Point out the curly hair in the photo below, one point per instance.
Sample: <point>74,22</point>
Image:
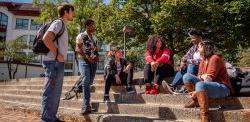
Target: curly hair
<point>209,48</point>
<point>151,43</point>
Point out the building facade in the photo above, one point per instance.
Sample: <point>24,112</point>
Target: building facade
<point>17,21</point>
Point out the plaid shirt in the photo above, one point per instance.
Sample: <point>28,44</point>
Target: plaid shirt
<point>189,55</point>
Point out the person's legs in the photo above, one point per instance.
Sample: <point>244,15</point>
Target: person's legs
<point>162,71</point>
<point>192,69</point>
<point>205,89</point>
<point>148,76</point>
<point>108,82</point>
<point>54,73</point>
<point>189,82</point>
<point>85,70</point>
<point>178,78</point>
<point>93,72</point>
<point>129,77</point>
<point>213,89</point>
<point>190,79</point>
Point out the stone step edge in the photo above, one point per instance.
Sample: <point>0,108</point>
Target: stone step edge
<point>35,109</point>
<point>240,112</point>
<point>100,101</point>
<point>131,104</point>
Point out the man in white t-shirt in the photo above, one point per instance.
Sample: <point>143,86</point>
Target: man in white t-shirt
<point>53,63</point>
<point>86,48</point>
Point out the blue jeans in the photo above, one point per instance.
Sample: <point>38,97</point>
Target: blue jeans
<point>87,71</point>
<point>214,89</point>
<point>54,73</point>
<point>178,79</point>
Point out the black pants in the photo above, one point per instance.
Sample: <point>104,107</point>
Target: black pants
<point>163,71</point>
<point>126,79</point>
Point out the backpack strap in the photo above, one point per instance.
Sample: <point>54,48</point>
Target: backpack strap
<point>59,34</point>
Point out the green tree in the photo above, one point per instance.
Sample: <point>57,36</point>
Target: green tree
<point>14,55</point>
<point>225,22</point>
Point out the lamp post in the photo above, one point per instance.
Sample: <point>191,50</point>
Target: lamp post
<point>125,30</point>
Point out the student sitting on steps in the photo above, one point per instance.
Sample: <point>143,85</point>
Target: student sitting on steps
<point>117,71</point>
<point>212,80</point>
<point>158,64</point>
<point>191,60</point>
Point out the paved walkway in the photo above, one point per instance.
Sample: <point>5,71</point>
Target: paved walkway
<point>10,115</point>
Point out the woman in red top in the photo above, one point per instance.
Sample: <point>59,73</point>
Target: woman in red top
<point>158,65</point>
<point>212,80</point>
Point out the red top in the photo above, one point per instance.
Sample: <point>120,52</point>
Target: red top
<point>216,69</point>
<point>162,56</point>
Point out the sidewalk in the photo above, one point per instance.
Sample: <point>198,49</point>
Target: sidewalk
<point>11,115</point>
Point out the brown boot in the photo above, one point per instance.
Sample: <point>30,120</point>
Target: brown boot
<point>189,87</point>
<point>203,102</point>
<point>193,104</point>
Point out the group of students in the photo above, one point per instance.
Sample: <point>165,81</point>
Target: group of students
<point>202,69</point>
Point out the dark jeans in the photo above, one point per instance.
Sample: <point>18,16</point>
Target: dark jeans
<point>163,71</point>
<point>52,89</point>
<point>178,79</point>
<point>126,79</point>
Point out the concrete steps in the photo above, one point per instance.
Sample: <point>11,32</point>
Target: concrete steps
<point>72,114</point>
<point>25,94</point>
<point>229,102</point>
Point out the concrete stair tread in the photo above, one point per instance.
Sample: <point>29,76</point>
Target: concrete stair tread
<point>237,113</point>
<point>231,102</point>
<point>67,113</point>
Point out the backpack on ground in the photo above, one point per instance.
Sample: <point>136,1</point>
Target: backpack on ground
<point>74,91</point>
<point>236,76</point>
<point>38,46</point>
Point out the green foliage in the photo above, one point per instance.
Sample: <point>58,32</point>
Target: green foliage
<point>244,58</point>
<point>14,54</point>
<point>225,22</point>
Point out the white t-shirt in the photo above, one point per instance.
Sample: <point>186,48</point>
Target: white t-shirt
<point>196,55</point>
<point>62,46</point>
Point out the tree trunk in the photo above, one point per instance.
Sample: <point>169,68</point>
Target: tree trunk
<point>14,73</point>
<point>26,68</point>
<point>9,68</point>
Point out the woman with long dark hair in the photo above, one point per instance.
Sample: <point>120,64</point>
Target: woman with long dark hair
<point>158,64</point>
<point>117,71</point>
<point>212,80</point>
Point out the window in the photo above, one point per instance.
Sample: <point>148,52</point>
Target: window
<point>3,26</point>
<point>31,40</point>
<point>22,24</point>
<point>34,25</point>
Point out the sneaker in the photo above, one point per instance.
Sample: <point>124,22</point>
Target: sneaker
<point>154,90</point>
<point>130,90</point>
<point>106,99</point>
<point>58,120</point>
<point>86,110</point>
<point>167,88</point>
<point>147,89</point>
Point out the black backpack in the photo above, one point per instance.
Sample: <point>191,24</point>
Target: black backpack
<point>236,76</point>
<point>38,45</point>
<point>74,91</point>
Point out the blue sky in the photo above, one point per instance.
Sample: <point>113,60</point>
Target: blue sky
<point>23,1</point>
<point>29,1</point>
